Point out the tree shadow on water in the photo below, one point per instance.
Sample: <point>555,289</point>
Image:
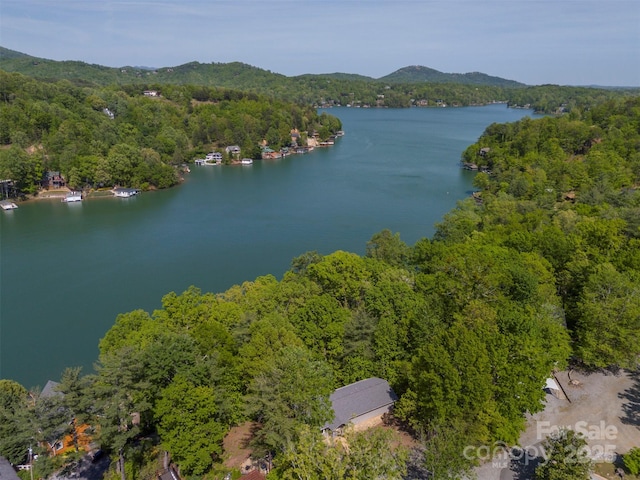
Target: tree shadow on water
<point>631,399</point>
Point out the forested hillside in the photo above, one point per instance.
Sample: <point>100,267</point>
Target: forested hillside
<point>538,271</point>
<point>406,87</point>
<point>418,74</point>
<point>104,136</point>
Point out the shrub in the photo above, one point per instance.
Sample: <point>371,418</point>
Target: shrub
<point>631,460</point>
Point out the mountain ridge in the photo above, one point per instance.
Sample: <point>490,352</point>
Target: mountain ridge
<point>196,72</point>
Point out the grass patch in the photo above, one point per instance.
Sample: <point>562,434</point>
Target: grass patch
<point>608,470</point>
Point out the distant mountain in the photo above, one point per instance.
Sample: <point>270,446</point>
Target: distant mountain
<point>336,76</point>
<point>420,74</point>
<point>232,75</point>
<point>5,53</point>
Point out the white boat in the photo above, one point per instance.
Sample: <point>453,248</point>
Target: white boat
<point>246,161</point>
<point>8,205</point>
<point>125,192</point>
<point>73,197</point>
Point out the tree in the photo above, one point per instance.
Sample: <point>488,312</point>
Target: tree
<point>311,457</point>
<point>631,461</point>
<point>388,247</point>
<point>566,458</point>
<point>53,418</point>
<point>320,323</point>
<point>188,427</point>
<point>372,454</point>
<point>444,450</point>
<point>119,390</point>
<point>16,423</point>
<point>608,324</point>
<point>342,274</point>
<point>294,391</point>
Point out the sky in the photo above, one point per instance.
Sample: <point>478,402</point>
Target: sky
<point>565,42</point>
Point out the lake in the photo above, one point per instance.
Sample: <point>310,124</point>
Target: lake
<point>67,270</point>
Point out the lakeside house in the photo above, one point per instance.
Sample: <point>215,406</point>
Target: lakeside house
<point>358,403</point>
<point>269,154</point>
<point>77,438</point>
<point>212,158</point>
<point>233,150</point>
<point>53,180</point>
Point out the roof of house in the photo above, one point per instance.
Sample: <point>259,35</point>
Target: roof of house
<point>6,470</point>
<point>254,475</point>
<point>359,398</point>
<point>49,390</point>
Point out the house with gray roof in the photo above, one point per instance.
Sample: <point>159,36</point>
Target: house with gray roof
<point>50,390</point>
<point>359,402</point>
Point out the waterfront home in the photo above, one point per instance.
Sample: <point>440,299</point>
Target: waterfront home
<point>269,154</point>
<point>53,180</point>
<point>233,150</point>
<point>65,442</point>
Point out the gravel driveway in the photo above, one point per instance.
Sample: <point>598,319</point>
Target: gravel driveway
<point>603,406</point>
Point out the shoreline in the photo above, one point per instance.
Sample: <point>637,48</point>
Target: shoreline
<point>61,193</point>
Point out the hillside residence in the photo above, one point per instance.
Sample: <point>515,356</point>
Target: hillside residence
<point>269,154</point>
<point>67,442</point>
<point>233,150</point>
<point>151,93</point>
<point>53,180</point>
<point>358,402</point>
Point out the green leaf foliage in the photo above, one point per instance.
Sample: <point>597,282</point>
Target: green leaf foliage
<point>631,461</point>
<point>188,425</point>
<point>566,458</point>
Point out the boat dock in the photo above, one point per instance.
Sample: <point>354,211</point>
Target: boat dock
<point>8,205</point>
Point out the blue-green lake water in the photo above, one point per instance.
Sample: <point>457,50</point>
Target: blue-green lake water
<point>67,270</point>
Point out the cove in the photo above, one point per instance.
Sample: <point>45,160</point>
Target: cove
<point>67,270</point>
